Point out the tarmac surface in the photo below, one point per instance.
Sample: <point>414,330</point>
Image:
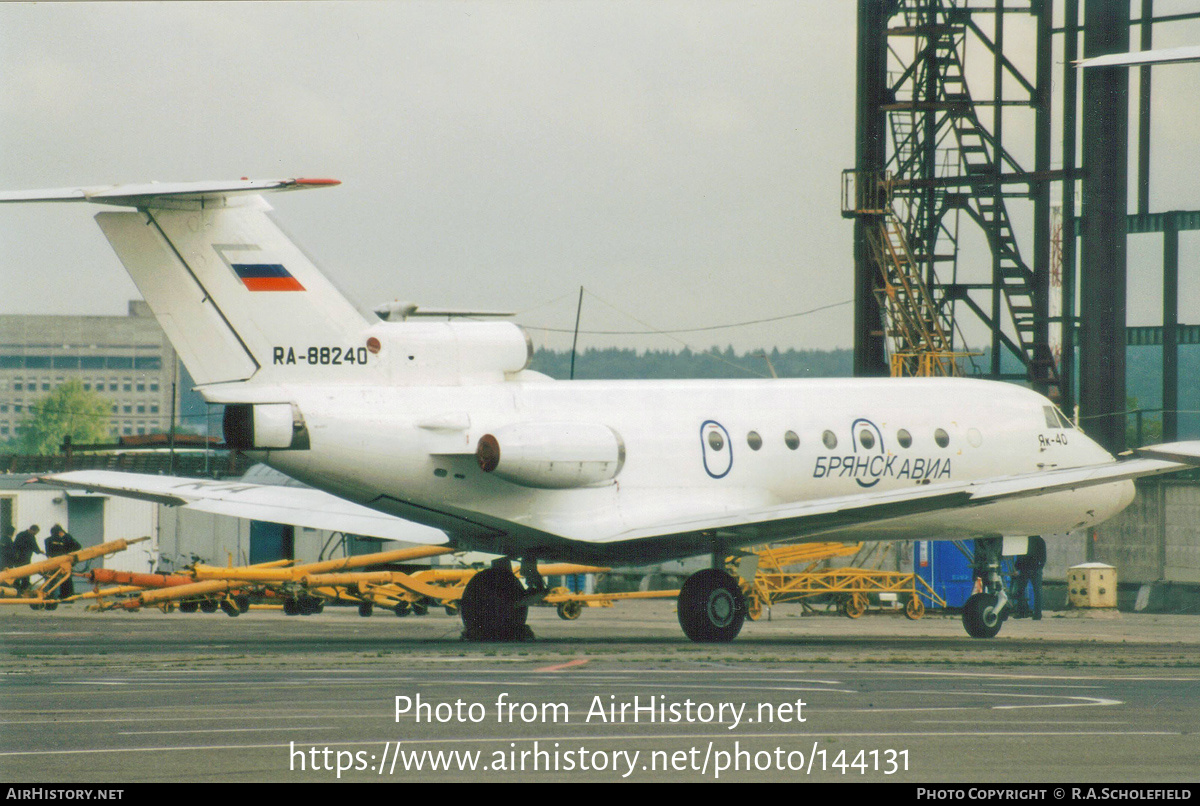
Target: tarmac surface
<point>617,695</point>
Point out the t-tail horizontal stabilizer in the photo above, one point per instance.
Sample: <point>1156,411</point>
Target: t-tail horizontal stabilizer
<point>231,291</point>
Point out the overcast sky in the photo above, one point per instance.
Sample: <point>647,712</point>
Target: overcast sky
<point>680,160</point>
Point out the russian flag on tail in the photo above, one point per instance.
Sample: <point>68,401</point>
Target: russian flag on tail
<point>266,277</point>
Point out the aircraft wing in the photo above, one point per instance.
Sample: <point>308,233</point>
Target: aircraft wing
<point>905,514</point>
<point>1187,53</point>
<point>909,513</point>
<point>299,506</point>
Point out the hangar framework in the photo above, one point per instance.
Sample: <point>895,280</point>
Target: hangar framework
<point>957,121</point>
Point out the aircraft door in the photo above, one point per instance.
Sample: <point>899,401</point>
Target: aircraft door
<point>717,449</point>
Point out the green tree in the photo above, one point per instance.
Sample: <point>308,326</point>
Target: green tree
<point>68,410</point>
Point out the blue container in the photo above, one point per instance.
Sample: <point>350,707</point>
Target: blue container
<point>943,566</point>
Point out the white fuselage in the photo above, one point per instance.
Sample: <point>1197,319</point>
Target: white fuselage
<point>694,448</point>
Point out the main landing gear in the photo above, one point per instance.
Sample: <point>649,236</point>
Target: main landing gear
<point>494,604</point>
<point>711,606</point>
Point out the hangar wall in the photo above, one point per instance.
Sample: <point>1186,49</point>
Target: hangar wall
<point>1155,539</point>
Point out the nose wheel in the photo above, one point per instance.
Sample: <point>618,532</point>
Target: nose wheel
<point>711,606</point>
<point>981,616</point>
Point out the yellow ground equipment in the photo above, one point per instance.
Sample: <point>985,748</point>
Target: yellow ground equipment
<point>791,573</point>
<point>405,593</point>
<point>54,572</point>
<point>570,605</point>
<point>302,589</point>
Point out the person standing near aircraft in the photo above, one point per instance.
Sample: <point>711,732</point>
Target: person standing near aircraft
<point>7,550</point>
<point>57,544</point>
<point>23,548</point>
<point>1029,576</point>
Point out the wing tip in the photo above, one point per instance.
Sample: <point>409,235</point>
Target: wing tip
<point>146,194</point>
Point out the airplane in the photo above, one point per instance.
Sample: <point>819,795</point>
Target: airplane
<point>1179,55</point>
<point>443,424</point>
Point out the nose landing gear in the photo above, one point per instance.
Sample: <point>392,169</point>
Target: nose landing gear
<point>985,611</point>
<point>983,615</point>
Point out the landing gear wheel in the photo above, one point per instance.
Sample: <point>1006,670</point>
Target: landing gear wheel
<point>189,607</point>
<point>365,609</point>
<point>451,609</point>
<point>855,606</point>
<point>420,608</point>
<point>208,606</point>
<point>915,608</point>
<point>291,607</point>
<point>489,607</point>
<point>229,606</point>
<point>51,605</point>
<point>242,601</point>
<point>401,609</point>
<point>979,616</point>
<point>754,607</point>
<point>711,606</point>
<point>570,610</point>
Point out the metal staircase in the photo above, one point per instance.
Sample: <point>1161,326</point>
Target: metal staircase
<point>920,333</point>
<point>946,168</point>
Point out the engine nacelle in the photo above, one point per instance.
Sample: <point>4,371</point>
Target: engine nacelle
<point>449,353</point>
<point>264,426</point>
<point>552,455</point>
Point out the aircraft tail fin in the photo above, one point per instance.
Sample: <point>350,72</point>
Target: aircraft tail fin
<point>235,296</point>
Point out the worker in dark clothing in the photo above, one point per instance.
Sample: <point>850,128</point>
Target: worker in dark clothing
<point>8,552</point>
<point>57,544</point>
<point>1029,575</point>
<point>23,548</point>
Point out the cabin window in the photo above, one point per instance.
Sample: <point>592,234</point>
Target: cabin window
<point>866,439</point>
<point>715,440</point>
<point>830,439</point>
<point>754,440</point>
<point>904,438</point>
<point>941,438</point>
<point>792,440</point>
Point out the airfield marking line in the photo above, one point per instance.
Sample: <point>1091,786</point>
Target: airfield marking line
<point>593,739</point>
<point>1022,722</point>
<point>1042,685</point>
<point>220,730</point>
<point>568,665</point>
<point>1086,701</point>
<point>1010,676</point>
<point>736,686</point>
<point>214,684</point>
<point>729,687</point>
<point>231,715</point>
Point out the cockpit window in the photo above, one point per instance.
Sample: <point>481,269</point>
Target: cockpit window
<point>1055,418</point>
